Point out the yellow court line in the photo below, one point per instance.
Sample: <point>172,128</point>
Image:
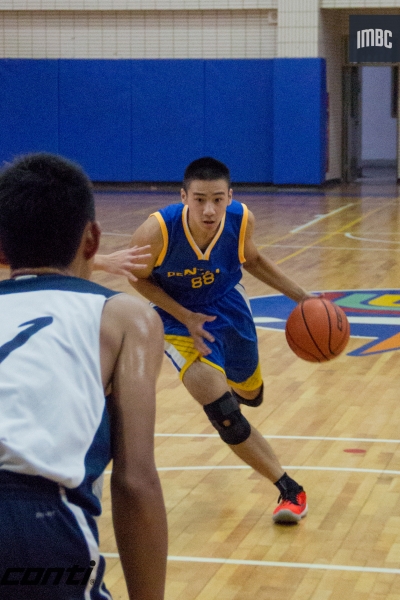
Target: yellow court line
<point>287,235</point>
<point>329,235</point>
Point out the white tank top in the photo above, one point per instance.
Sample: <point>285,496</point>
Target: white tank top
<point>53,418</point>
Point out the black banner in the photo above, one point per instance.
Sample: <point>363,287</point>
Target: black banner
<point>374,38</point>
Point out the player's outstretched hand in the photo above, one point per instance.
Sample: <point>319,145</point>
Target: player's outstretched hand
<point>123,262</point>
<point>195,326</point>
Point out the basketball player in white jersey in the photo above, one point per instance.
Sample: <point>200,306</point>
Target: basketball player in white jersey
<point>65,342</point>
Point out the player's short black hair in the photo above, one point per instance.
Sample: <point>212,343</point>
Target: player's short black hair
<point>206,169</point>
<point>45,203</point>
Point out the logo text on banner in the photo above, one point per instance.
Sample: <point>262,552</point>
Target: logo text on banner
<point>374,38</point>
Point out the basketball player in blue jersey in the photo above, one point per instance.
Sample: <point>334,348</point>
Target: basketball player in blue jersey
<point>64,343</point>
<point>198,248</point>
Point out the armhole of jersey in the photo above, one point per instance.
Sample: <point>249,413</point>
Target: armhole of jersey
<point>164,232</point>
<point>242,233</point>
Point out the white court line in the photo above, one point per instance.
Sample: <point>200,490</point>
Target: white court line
<point>289,437</point>
<point>321,217</point>
<point>292,467</point>
<point>369,320</point>
<point>268,563</point>
<point>117,234</point>
<point>346,249</point>
<point>362,239</point>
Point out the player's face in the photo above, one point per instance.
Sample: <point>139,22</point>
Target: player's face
<point>207,202</point>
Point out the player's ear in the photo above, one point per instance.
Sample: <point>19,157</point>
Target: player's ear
<point>230,194</point>
<point>91,239</point>
<point>183,196</point>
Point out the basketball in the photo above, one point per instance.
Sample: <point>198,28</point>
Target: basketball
<point>317,330</point>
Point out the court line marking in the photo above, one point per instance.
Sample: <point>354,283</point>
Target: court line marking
<point>291,467</point>
<point>116,234</point>
<point>321,217</point>
<point>328,236</point>
<point>348,248</point>
<point>283,237</point>
<point>367,320</point>
<point>290,437</point>
<point>354,237</point>
<point>271,563</point>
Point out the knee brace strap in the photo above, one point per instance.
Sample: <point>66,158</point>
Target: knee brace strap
<point>224,414</point>
<point>255,402</point>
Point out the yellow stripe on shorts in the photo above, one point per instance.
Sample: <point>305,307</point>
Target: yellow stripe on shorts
<point>183,353</point>
<point>252,383</point>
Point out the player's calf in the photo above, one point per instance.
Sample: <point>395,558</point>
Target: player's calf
<point>225,415</point>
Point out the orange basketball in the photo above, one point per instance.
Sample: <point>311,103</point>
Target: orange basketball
<point>317,330</point>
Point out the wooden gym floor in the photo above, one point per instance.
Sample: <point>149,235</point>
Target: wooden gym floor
<point>334,426</point>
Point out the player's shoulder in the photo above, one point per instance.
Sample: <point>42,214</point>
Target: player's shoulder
<point>127,313</point>
<point>171,211</point>
<point>54,282</point>
<point>236,208</point>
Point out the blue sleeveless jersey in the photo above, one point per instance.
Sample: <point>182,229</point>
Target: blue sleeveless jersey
<point>193,277</point>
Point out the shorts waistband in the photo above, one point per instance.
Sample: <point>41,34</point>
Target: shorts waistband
<point>22,482</point>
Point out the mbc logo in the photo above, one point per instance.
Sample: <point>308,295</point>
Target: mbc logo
<point>374,37</point>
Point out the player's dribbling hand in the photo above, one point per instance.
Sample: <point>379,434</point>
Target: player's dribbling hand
<point>123,262</point>
<point>195,327</point>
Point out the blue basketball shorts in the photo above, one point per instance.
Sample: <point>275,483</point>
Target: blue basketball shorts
<point>48,546</point>
<point>235,349</point>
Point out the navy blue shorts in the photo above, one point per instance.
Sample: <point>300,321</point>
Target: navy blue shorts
<point>48,546</point>
<point>234,351</point>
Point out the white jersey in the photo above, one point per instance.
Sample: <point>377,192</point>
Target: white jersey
<point>53,416</point>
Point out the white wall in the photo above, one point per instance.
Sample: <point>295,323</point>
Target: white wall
<point>137,34</point>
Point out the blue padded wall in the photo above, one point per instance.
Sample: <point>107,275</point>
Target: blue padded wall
<point>145,120</point>
<point>167,117</point>
<point>28,107</point>
<point>299,121</point>
<point>238,117</point>
<point>95,116</point>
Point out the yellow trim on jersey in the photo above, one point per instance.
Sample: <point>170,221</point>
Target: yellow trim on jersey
<point>242,233</point>
<point>188,235</point>
<point>164,232</point>
<point>216,238</point>
<point>252,383</point>
<point>200,255</point>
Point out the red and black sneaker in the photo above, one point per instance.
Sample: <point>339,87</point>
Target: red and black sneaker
<point>291,508</point>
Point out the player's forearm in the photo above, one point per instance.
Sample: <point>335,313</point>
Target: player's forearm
<point>267,272</point>
<point>140,526</point>
<point>155,294</point>
<point>99,262</point>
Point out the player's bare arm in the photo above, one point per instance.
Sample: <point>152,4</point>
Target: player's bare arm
<point>150,233</point>
<point>131,356</point>
<point>266,271</point>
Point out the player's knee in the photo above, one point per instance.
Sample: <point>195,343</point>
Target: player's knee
<point>225,415</point>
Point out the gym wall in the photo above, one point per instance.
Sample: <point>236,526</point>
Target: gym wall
<point>134,95</point>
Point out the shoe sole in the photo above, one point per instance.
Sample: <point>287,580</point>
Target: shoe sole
<point>287,516</point>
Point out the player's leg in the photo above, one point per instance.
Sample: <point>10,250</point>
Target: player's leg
<point>249,397</point>
<point>209,387</point>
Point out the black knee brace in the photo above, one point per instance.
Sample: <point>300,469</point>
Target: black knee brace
<point>255,402</point>
<point>225,416</point>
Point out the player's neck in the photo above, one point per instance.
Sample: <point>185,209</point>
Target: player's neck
<point>202,238</point>
<point>38,271</point>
